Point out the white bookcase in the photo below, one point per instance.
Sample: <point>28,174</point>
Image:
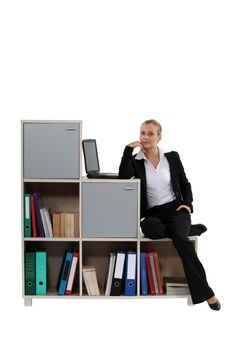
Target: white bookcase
<point>109,218</point>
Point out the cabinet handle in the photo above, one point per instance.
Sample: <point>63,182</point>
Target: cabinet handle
<point>71,129</point>
<point>129,188</point>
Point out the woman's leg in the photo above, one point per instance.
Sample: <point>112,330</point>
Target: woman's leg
<point>153,228</point>
<point>178,226</point>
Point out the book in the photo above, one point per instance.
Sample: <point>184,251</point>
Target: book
<point>56,225</point>
<point>143,274</point>
<point>112,260</point>
<point>41,273</point>
<point>33,215</point>
<point>64,273</point>
<point>149,273</point>
<point>45,216</point>
<point>41,232</point>
<point>27,216</point>
<point>87,278</point>
<point>30,273</point>
<point>158,273</point>
<point>69,225</point>
<point>118,276</point>
<point>176,285</point>
<point>76,224</point>
<point>90,280</point>
<point>130,273</point>
<point>152,263</point>
<point>73,268</point>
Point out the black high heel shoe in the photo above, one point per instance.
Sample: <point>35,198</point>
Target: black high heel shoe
<point>215,306</point>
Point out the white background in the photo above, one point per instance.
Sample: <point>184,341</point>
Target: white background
<point>114,64</point>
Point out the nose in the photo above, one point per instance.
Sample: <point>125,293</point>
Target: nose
<point>145,137</point>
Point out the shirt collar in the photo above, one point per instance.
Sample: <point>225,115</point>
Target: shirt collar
<point>141,154</point>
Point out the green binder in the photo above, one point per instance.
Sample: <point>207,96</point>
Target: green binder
<point>41,272</point>
<point>30,273</point>
<point>27,216</point>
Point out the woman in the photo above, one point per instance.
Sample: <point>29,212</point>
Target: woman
<point>166,203</point>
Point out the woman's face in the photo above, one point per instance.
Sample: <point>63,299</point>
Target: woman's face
<point>149,137</point>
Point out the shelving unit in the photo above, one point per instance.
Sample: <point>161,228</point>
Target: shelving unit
<point>109,218</point>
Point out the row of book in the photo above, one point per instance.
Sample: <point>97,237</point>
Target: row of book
<point>36,273</point>
<point>172,285</point>
<point>122,274</point>
<point>65,284</point>
<point>35,265</point>
<point>38,223</point>
<point>150,275</point>
<point>121,277</point>
<point>152,281</point>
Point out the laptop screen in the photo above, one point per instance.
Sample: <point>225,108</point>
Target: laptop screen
<point>90,155</point>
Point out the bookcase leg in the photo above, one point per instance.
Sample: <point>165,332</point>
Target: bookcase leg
<point>27,302</point>
<point>189,301</point>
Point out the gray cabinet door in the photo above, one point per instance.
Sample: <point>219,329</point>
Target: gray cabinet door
<point>51,150</point>
<point>110,209</point>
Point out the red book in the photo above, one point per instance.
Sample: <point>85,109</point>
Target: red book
<point>158,274</point>
<point>150,276</point>
<point>34,229</point>
<point>73,269</point>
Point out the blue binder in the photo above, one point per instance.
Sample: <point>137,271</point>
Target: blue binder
<point>41,272</point>
<point>64,273</point>
<point>143,274</point>
<point>130,276</point>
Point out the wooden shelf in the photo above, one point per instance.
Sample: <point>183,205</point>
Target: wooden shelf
<point>75,195</point>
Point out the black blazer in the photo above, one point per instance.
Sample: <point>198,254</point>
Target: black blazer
<point>131,167</point>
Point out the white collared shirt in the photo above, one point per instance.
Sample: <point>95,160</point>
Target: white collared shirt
<point>158,180</point>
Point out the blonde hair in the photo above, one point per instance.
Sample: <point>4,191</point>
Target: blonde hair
<point>154,122</point>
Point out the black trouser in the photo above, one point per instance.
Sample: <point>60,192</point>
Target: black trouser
<point>165,221</point>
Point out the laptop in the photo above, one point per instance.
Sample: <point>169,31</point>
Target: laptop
<point>92,161</point>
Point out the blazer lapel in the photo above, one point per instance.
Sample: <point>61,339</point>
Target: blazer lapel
<point>140,170</point>
<point>172,166</point>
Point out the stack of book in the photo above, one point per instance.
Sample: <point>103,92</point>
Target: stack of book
<point>66,279</point>
<point>90,280</point>
<point>176,286</point>
<point>35,273</point>
<point>66,225</point>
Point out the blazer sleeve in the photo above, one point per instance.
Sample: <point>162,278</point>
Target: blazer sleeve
<point>185,185</point>
<point>127,169</point>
